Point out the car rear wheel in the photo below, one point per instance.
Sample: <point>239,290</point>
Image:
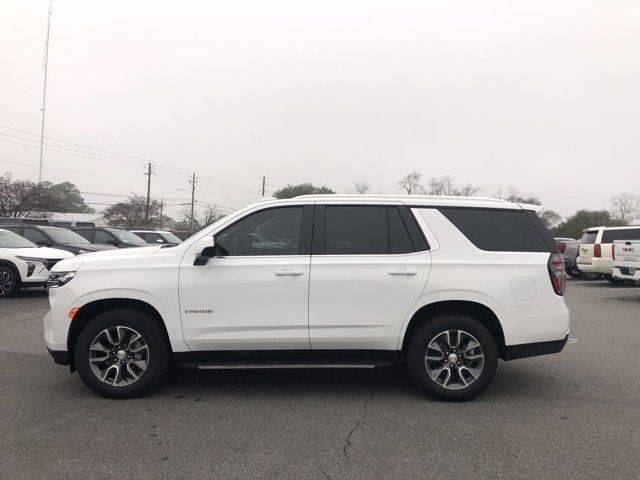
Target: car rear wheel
<point>452,357</point>
<point>9,281</point>
<point>122,353</point>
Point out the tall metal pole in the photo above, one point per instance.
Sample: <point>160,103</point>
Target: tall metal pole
<point>264,180</point>
<point>193,196</point>
<point>146,214</point>
<point>161,205</point>
<point>44,89</point>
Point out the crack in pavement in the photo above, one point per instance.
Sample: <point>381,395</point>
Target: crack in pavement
<point>356,425</point>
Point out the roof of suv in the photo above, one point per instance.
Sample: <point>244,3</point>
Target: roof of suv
<point>419,200</point>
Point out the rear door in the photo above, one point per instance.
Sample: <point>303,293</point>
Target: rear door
<point>587,242</point>
<point>369,266</point>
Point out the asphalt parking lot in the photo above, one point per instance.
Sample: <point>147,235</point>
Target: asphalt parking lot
<point>576,414</point>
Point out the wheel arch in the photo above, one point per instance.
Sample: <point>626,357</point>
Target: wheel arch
<point>479,311</point>
<point>92,309</point>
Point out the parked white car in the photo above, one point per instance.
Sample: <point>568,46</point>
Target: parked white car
<point>626,263</point>
<point>596,248</point>
<point>446,285</point>
<point>24,264</point>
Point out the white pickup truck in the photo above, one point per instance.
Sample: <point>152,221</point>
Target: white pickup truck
<point>626,260</point>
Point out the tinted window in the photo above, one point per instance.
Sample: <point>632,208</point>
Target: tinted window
<point>13,240</point>
<point>399,239</point>
<point>151,237</point>
<point>589,238</point>
<point>88,234</point>
<point>34,235</point>
<point>105,237</point>
<point>497,230</point>
<point>356,230</point>
<point>609,236</point>
<point>275,231</point>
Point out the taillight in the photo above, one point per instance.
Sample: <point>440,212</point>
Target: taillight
<point>597,250</point>
<point>562,247</point>
<point>613,252</point>
<point>556,273</point>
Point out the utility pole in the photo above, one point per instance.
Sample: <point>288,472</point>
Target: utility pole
<point>146,213</point>
<point>193,196</point>
<point>264,180</point>
<point>161,205</point>
<point>44,89</point>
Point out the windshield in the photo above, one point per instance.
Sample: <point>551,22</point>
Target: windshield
<point>127,236</point>
<point>62,235</point>
<point>13,240</point>
<point>170,237</point>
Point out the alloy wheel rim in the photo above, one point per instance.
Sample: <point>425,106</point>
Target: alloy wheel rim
<point>6,283</point>
<point>454,359</point>
<point>119,356</point>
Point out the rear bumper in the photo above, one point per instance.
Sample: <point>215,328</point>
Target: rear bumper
<point>525,350</point>
<point>61,357</point>
<point>622,273</point>
<point>597,265</point>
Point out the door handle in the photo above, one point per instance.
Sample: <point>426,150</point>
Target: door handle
<point>402,271</point>
<point>288,272</point>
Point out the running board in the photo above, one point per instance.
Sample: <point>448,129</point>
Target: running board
<point>289,364</point>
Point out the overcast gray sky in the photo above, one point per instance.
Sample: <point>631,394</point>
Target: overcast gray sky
<point>540,95</point>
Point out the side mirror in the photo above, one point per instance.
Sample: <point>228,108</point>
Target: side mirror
<point>205,249</point>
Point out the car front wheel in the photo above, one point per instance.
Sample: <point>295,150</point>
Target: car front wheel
<point>452,357</point>
<point>121,353</point>
<point>9,283</point>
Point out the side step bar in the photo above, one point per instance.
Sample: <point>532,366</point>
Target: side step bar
<point>289,364</point>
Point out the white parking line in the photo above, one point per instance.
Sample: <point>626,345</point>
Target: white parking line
<point>624,290</point>
<point>572,340</point>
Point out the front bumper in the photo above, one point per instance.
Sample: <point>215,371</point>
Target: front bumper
<point>525,350</point>
<point>61,357</point>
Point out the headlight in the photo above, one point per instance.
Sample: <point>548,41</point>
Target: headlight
<point>33,259</point>
<point>59,279</point>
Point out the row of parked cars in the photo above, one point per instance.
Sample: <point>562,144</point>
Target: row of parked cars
<point>28,252</point>
<point>603,252</point>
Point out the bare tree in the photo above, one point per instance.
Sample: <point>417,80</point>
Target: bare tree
<point>362,188</point>
<point>468,191</point>
<point>626,207</point>
<point>132,213</point>
<point>550,218</point>
<point>20,198</point>
<point>411,184</point>
<point>441,186</point>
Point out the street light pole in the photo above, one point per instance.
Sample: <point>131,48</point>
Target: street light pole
<point>44,89</point>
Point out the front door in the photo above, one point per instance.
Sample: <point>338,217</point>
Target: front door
<point>254,293</point>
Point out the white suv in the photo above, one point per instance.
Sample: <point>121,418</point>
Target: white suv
<point>24,264</point>
<point>596,248</point>
<point>447,285</point>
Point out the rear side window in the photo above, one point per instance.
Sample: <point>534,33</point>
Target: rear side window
<point>589,238</point>
<point>501,230</point>
<point>609,236</point>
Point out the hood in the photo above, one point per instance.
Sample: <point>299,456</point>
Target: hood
<point>91,247</point>
<point>74,263</point>
<point>42,252</point>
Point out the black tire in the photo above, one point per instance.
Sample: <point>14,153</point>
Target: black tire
<point>590,276</point>
<point>154,337</point>
<point>417,349</point>
<point>9,281</point>
<point>615,281</point>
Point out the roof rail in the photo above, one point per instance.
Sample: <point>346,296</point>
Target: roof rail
<point>415,197</point>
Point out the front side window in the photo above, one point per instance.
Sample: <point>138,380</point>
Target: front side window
<point>276,231</point>
<point>105,237</point>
